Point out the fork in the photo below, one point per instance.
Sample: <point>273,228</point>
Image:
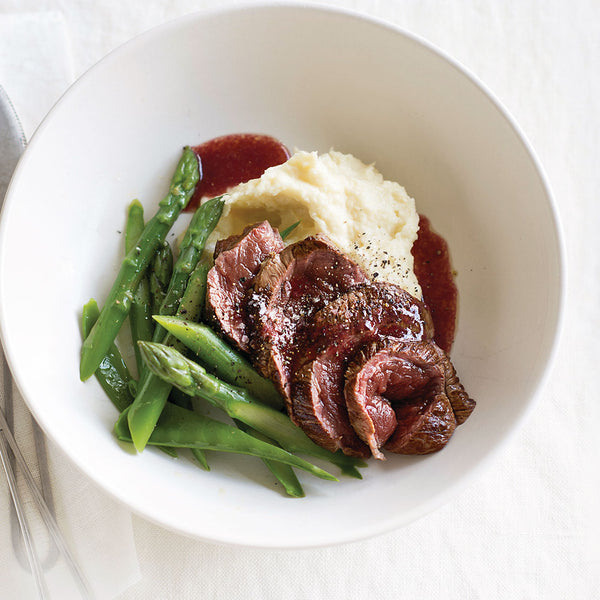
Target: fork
<point>44,476</point>
<point>8,442</point>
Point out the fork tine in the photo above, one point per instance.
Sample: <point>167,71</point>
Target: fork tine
<point>32,556</point>
<point>45,513</point>
<point>45,485</point>
<point>44,476</point>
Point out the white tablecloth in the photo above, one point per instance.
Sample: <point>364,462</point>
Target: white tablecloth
<point>530,526</point>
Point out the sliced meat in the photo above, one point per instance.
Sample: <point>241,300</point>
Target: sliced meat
<point>303,311</point>
<point>318,406</point>
<point>398,394</point>
<point>237,260</point>
<point>367,314</point>
<point>288,290</point>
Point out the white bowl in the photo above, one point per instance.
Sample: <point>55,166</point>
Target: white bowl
<point>315,78</point>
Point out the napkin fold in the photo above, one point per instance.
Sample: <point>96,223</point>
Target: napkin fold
<point>36,64</point>
<point>35,69</point>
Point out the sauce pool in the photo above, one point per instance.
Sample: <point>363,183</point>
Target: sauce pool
<point>229,160</point>
<point>434,271</point>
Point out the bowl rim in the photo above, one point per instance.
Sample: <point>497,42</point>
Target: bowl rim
<point>560,293</point>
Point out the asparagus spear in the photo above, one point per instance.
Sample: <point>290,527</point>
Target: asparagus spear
<point>152,392</point>
<point>135,263</point>
<point>201,226</point>
<point>220,359</point>
<point>182,428</point>
<point>140,314</point>
<point>191,306</point>
<point>135,224</point>
<point>191,378</point>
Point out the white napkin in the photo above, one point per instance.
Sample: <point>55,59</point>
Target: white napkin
<point>35,63</point>
<point>35,69</point>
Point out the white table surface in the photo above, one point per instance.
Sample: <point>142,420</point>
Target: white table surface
<point>529,527</point>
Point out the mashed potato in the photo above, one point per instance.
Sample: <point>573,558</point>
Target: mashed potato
<point>373,221</point>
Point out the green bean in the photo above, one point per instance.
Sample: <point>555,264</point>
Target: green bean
<point>161,270</point>
<point>112,373</point>
<point>135,263</point>
<point>182,428</point>
<point>282,472</point>
<point>140,314</point>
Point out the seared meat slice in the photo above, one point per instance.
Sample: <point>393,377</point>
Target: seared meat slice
<point>317,401</point>
<point>392,387</point>
<point>287,291</point>
<point>237,260</point>
<point>398,394</point>
<point>366,314</point>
